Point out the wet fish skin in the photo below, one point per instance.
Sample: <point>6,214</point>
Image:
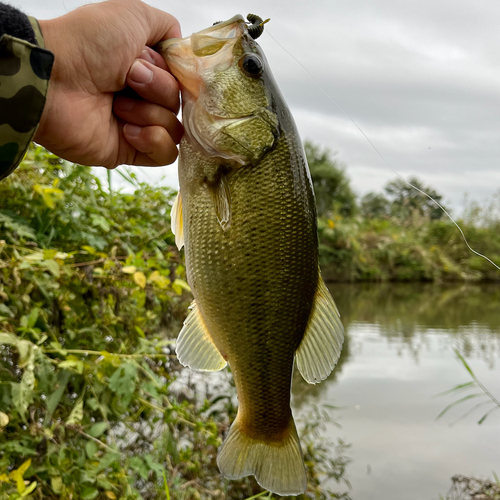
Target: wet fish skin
<point>248,222</point>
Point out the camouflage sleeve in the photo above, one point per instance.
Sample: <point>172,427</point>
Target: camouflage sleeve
<point>24,79</point>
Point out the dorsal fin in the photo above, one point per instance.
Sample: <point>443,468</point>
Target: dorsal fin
<point>320,348</point>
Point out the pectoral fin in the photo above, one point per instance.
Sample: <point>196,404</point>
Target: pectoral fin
<point>222,201</point>
<point>195,347</point>
<point>320,348</point>
<point>176,221</point>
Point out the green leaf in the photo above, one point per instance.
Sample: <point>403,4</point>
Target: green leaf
<point>76,414</point>
<point>49,254</point>
<point>89,249</point>
<point>89,492</point>
<point>34,257</point>
<point>26,349</point>
<point>457,388</point>
<point>101,222</point>
<point>91,448</point>
<point>462,359</point>
<point>92,403</point>
<point>22,393</point>
<point>140,279</point>
<point>98,429</point>
<point>107,460</point>
<point>178,285</point>
<point>72,364</point>
<point>53,267</point>
<point>6,311</point>
<point>123,382</point>
<point>56,484</point>
<point>18,475</point>
<point>55,397</point>
<point>33,317</point>
<point>154,466</point>
<point>485,416</point>
<point>470,396</point>
<point>29,489</point>
<point>167,491</point>
<point>139,466</point>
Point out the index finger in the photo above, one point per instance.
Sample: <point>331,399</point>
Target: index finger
<point>162,25</point>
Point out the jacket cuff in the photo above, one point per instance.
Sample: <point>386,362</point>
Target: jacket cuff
<point>38,32</point>
<point>24,80</point>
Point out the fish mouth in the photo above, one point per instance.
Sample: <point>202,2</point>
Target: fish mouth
<point>218,30</point>
<point>212,48</point>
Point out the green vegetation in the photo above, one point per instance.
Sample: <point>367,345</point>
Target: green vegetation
<point>331,185</point>
<point>399,235</point>
<point>471,488</point>
<point>487,399</point>
<point>93,403</point>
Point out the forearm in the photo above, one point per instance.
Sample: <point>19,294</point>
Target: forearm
<point>25,68</point>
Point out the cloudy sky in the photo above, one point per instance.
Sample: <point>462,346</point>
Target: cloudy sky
<point>420,77</point>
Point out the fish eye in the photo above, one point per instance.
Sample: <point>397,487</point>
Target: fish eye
<point>252,65</point>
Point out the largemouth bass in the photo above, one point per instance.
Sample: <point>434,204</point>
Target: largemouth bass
<point>246,216</point>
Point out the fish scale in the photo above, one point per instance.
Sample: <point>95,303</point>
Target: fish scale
<point>249,320</point>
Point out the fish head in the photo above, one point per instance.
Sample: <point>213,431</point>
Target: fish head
<point>227,100</point>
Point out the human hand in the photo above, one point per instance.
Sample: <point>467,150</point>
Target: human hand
<point>100,49</point>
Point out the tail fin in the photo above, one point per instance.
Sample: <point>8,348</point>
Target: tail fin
<point>277,466</point>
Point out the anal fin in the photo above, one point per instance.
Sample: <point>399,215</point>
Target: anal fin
<point>320,348</point>
<point>195,348</point>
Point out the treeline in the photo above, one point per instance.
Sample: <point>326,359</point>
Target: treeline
<point>399,234</point>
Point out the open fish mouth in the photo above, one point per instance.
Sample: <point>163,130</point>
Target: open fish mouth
<point>224,30</point>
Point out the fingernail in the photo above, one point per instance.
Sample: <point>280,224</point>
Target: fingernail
<point>132,130</point>
<point>147,57</point>
<point>140,73</point>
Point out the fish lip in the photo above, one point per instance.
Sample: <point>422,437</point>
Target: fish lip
<point>234,19</point>
<point>163,46</point>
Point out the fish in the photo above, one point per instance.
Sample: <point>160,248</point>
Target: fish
<point>246,216</point>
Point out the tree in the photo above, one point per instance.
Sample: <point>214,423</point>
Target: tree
<point>405,200</point>
<point>375,206</point>
<point>331,184</point>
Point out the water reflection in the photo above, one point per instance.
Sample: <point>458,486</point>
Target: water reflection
<point>400,307</point>
<point>397,356</point>
<point>471,312</point>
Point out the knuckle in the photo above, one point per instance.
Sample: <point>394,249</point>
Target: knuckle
<point>156,136</point>
<point>171,156</point>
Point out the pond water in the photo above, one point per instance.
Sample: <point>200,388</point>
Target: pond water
<point>397,357</point>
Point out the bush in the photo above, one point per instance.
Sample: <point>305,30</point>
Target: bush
<point>92,291</point>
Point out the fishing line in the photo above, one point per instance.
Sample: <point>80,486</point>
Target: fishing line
<point>380,154</point>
